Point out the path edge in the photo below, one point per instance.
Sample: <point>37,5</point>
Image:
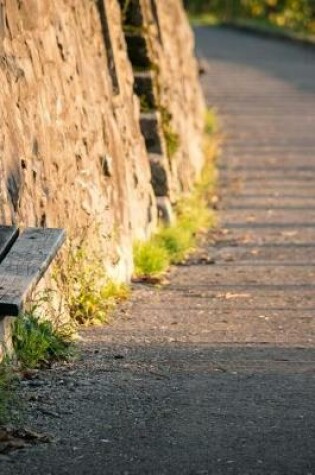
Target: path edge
<point>266,32</point>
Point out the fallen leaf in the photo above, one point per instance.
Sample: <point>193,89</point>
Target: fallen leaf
<point>289,233</point>
<point>264,317</point>
<point>230,295</point>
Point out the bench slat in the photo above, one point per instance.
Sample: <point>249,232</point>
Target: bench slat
<point>8,234</point>
<point>25,264</point>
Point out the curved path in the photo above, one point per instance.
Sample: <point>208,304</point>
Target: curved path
<point>213,374</point>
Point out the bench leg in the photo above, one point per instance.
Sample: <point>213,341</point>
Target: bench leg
<point>6,347</point>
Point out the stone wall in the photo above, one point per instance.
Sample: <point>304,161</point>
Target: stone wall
<point>71,149</point>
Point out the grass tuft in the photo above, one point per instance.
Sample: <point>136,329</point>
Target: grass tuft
<point>89,294</point>
<point>194,214</point>
<point>177,241</point>
<point>211,122</point>
<point>172,245</point>
<point>150,259</point>
<point>36,342</point>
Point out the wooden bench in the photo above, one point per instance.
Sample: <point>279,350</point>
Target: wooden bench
<point>24,258</point>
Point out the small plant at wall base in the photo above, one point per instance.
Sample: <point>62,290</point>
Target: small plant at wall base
<point>211,122</point>
<point>172,245</point>
<point>177,242</point>
<point>89,295</point>
<point>36,342</point>
<point>150,259</point>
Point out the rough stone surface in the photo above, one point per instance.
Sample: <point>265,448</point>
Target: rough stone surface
<point>172,46</point>
<point>71,150</point>
<point>167,82</point>
<point>6,347</point>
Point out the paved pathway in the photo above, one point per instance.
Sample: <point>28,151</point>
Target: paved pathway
<point>265,93</point>
<point>213,374</point>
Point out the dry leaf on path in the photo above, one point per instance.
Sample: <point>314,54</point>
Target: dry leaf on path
<point>230,296</point>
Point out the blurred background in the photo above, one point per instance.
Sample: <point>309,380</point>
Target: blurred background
<point>296,15</point>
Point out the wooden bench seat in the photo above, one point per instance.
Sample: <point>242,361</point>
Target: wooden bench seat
<point>24,258</point>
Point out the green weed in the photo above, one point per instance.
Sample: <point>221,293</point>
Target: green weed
<point>115,291</point>
<point>124,5</point>
<point>36,342</point>
<point>172,245</point>
<point>89,294</point>
<point>211,121</point>
<point>194,214</point>
<point>145,106</point>
<point>177,242</point>
<point>150,259</point>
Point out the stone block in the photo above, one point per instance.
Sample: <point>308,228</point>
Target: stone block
<point>6,347</point>
<point>160,175</point>
<point>138,51</point>
<point>132,12</point>
<point>150,123</point>
<point>165,210</point>
<point>145,88</point>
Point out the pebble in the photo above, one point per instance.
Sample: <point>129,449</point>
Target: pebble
<point>35,383</point>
